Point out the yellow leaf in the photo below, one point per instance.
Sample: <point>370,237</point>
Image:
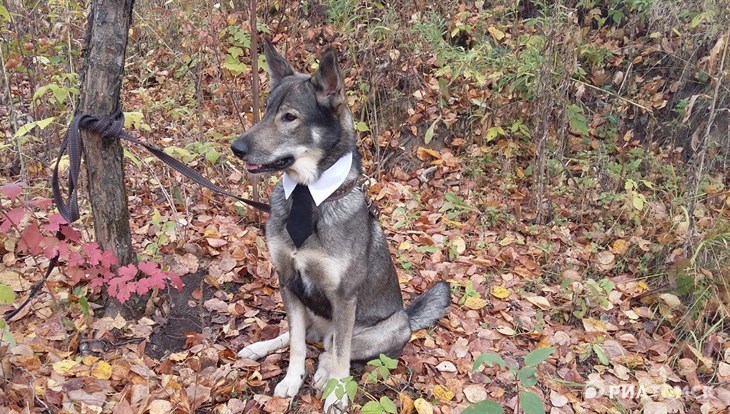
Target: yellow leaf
<point>424,153</point>
<point>89,360</point>
<point>406,403</point>
<point>500,292</point>
<point>406,245</point>
<point>619,246</point>
<point>594,325</point>
<point>496,33</point>
<point>423,406</point>
<point>102,370</point>
<point>443,393</point>
<point>476,303</point>
<point>179,356</point>
<point>419,334</point>
<point>643,286</point>
<point>506,241</point>
<point>64,366</point>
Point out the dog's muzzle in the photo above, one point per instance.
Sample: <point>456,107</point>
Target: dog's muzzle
<point>241,150</point>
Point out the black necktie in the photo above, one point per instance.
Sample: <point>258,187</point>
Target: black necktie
<point>299,224</point>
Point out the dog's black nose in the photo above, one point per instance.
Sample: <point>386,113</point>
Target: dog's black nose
<point>239,148</point>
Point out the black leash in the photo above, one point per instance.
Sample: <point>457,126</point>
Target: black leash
<point>111,126</point>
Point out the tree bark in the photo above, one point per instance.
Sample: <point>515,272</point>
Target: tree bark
<point>101,81</point>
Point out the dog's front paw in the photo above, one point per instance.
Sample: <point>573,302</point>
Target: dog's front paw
<point>289,386</point>
<point>335,405</point>
<point>322,375</point>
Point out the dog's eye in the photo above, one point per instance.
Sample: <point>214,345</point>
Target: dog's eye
<point>289,117</point>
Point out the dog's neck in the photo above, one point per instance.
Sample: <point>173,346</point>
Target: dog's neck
<point>345,170</point>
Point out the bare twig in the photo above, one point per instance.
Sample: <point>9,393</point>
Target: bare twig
<point>255,92</point>
<point>615,95</point>
<point>701,152</point>
<point>11,112</point>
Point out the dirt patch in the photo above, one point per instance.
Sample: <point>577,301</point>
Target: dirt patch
<point>169,336</point>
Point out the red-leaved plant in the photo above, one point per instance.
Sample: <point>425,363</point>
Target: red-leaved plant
<point>34,228</point>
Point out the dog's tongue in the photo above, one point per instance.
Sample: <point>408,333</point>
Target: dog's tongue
<point>252,167</point>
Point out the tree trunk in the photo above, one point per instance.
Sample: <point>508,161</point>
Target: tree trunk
<point>101,81</point>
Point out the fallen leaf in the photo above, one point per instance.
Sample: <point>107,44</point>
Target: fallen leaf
<point>423,406</point>
<point>671,300</point>
<point>605,261</point>
<point>500,292</point>
<point>64,366</point>
<point>558,400</point>
<point>460,245</point>
<point>443,393</point>
<point>446,366</point>
<point>476,303</point>
<point>475,393</point>
<point>102,370</point>
<point>540,301</point>
<point>619,246</point>
<point>12,279</point>
<point>424,154</point>
<point>160,407</point>
<point>406,403</point>
<point>594,325</point>
<point>215,242</point>
<point>496,33</point>
<point>506,330</point>
<point>571,275</point>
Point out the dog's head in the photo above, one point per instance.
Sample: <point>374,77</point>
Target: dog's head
<point>307,126</point>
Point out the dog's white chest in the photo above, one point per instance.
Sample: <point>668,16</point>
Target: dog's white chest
<point>317,268</point>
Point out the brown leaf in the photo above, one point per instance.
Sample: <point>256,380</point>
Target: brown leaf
<point>123,407</point>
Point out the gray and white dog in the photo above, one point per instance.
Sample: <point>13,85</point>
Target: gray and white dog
<point>337,280</point>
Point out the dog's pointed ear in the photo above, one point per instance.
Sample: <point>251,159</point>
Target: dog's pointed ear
<point>328,80</point>
<point>279,68</point>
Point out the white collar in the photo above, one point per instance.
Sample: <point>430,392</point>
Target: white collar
<point>330,180</point>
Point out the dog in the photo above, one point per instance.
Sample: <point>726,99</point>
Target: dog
<point>336,275</point>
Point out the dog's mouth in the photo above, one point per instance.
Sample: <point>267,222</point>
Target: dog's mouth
<point>277,165</point>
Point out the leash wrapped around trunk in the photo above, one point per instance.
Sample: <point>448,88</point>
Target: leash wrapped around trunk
<point>113,126</point>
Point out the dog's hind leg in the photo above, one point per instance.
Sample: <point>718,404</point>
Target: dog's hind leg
<point>260,349</point>
<point>388,337</point>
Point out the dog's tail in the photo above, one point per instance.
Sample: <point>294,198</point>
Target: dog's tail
<point>428,307</point>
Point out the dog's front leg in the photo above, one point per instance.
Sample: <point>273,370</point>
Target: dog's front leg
<point>297,317</point>
<point>344,323</point>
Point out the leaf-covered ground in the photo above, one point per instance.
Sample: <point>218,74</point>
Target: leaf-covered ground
<point>448,139</point>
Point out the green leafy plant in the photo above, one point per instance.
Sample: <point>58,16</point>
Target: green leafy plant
<point>384,365</point>
<point>7,297</point>
<point>340,387</point>
<point>595,297</point>
<point>240,40</point>
<point>455,206</point>
<point>530,402</point>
